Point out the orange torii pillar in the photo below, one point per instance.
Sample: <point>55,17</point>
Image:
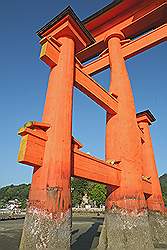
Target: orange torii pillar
<point>48,218</point>
<point>155,203</point>
<point>126,214</point>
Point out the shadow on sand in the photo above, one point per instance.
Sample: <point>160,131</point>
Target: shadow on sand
<point>85,240</point>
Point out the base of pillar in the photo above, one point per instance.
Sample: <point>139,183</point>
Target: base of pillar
<point>158,228</point>
<point>42,231</point>
<point>124,230</point>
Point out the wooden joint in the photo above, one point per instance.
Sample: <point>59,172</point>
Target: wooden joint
<point>141,134</point>
<point>146,178</point>
<point>113,162</point>
<point>52,41</point>
<point>114,95</point>
<point>125,41</point>
<point>37,125</point>
<point>33,142</point>
<point>76,145</point>
<point>147,186</point>
<point>104,52</point>
<point>50,51</point>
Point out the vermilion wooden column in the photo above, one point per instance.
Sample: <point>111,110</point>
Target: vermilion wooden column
<point>126,216</point>
<point>50,197</point>
<point>58,113</point>
<point>122,137</point>
<point>155,201</point>
<point>48,218</point>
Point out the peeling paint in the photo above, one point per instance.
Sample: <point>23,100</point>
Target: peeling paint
<point>41,231</point>
<point>123,230</point>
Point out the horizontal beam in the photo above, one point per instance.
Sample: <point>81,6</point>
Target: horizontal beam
<point>89,52</point>
<point>133,20</point>
<point>97,66</point>
<point>93,169</point>
<point>131,49</point>
<point>93,90</point>
<point>145,42</point>
<point>138,20</point>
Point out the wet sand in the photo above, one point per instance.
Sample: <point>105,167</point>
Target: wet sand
<point>85,233</point>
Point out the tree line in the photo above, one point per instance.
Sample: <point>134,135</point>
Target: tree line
<point>79,187</point>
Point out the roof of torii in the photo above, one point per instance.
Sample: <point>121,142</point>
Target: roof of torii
<point>133,18</point>
<point>57,20</point>
<point>109,11</point>
<point>146,113</point>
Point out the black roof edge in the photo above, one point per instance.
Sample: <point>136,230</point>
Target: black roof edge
<point>147,112</point>
<point>65,12</point>
<point>101,11</point>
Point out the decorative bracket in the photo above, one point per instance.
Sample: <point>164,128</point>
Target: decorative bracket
<point>33,142</point>
<point>50,51</point>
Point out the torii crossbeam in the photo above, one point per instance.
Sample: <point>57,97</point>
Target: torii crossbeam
<point>117,32</point>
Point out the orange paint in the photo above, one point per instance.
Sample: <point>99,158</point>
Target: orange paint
<point>90,168</point>
<point>126,142</point>
<point>133,18</point>
<point>50,147</point>
<point>50,189</point>
<point>33,143</point>
<point>155,201</point>
<point>129,49</point>
<point>95,91</point>
<point>122,135</point>
<point>50,51</point>
<point>55,171</point>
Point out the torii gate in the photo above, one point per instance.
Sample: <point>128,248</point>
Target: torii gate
<point>115,33</point>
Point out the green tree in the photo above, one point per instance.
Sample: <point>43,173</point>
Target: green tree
<point>97,192</point>
<point>79,188</point>
<point>163,182</point>
<point>12,192</point>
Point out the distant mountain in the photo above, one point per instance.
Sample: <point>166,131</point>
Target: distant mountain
<point>20,192</point>
<point>12,192</point>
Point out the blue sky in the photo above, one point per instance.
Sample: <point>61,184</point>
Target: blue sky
<point>23,81</point>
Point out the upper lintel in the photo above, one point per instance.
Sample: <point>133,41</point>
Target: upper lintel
<point>67,15</point>
<point>109,12</point>
<point>101,11</point>
<point>133,18</point>
<point>147,114</point>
